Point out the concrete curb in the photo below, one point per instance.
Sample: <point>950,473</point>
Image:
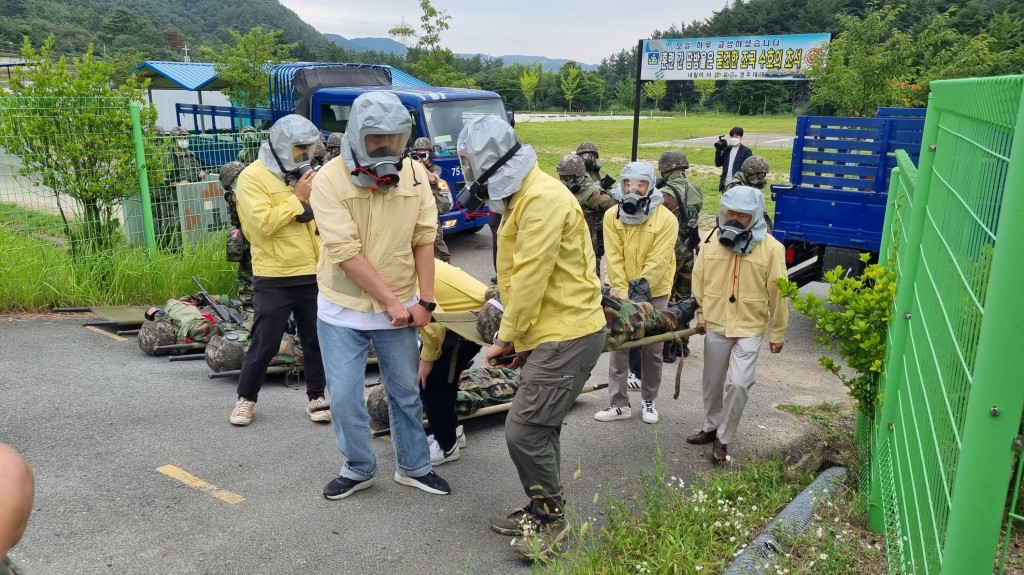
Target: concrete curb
<point>792,520</point>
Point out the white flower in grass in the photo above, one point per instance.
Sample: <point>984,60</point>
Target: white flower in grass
<point>823,556</point>
<point>698,568</point>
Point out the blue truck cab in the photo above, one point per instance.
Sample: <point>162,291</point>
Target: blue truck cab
<point>324,92</point>
<point>437,113</point>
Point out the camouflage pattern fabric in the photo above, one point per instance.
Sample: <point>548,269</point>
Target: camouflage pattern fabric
<point>191,325</point>
<point>685,203</point>
<point>249,153</point>
<point>635,320</point>
<point>485,386</point>
<point>595,202</point>
<point>7,567</point>
<point>489,319</point>
<point>183,167</point>
<point>154,334</point>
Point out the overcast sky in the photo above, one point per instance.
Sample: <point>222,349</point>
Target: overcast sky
<point>582,31</point>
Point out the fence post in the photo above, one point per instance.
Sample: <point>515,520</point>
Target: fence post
<point>996,395</point>
<point>903,309</point>
<point>143,176</point>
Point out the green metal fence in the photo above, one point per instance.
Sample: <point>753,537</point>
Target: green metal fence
<point>943,446</point>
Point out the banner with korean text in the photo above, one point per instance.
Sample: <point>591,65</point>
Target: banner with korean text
<point>770,57</point>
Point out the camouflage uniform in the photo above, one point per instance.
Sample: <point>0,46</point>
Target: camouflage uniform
<point>442,197</point>
<point>588,151</point>
<point>685,201</point>
<point>251,142</point>
<point>591,197</point>
<point>181,166</point>
<point>238,248</point>
<point>752,173</point>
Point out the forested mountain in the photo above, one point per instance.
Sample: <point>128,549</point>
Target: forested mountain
<point>158,29</point>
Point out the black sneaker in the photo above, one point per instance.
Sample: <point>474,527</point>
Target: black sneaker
<point>341,487</point>
<point>431,483</point>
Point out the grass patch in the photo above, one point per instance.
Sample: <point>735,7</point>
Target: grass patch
<point>614,138</point>
<point>837,421</point>
<point>37,274</point>
<point>669,526</point>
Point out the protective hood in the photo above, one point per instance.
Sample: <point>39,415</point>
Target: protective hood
<point>291,130</point>
<point>635,208</point>
<point>482,143</point>
<point>746,200</point>
<point>375,113</point>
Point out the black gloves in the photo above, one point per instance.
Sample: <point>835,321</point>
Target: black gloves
<point>640,290</point>
<point>684,310</point>
<point>607,182</point>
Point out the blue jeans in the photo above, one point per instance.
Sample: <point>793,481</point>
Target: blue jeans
<point>344,352</point>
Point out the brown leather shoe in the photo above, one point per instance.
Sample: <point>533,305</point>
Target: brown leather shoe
<point>702,437</point>
<point>719,452</point>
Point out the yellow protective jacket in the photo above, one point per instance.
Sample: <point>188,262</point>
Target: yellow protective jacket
<point>720,274</point>
<point>635,251</point>
<point>455,291</point>
<point>546,275</point>
<point>281,247</point>
<point>382,227</point>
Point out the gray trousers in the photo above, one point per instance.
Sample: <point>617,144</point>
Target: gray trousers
<point>729,370</point>
<point>551,379</point>
<point>650,369</point>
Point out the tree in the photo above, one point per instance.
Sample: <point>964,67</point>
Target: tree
<point>655,90</point>
<point>434,62</point>
<point>73,135</point>
<point>625,92</point>
<point>246,66</point>
<point>569,80</point>
<point>528,83</point>
<point>861,66</point>
<point>705,88</point>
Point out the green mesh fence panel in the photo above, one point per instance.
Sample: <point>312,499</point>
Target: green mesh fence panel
<point>939,431</point>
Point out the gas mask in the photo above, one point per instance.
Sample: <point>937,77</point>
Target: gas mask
<point>292,177</point>
<point>474,195</point>
<point>634,207</point>
<point>733,235</point>
<point>573,183</point>
<point>590,161</point>
<point>733,141</point>
<point>757,180</point>
<point>182,143</point>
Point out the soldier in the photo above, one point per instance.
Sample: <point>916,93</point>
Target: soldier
<point>640,239</point>
<point>588,151</point>
<point>334,144</point>
<point>250,145</point>
<point>685,201</point>
<point>182,167</point>
<point>572,171</point>
<point>752,173</point>
<point>238,248</point>
<point>439,188</point>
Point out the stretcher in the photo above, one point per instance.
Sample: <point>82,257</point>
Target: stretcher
<point>464,324</point>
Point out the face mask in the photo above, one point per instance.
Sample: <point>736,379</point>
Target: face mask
<point>385,174</point>
<point>733,141</point>
<point>475,194</point>
<point>183,144</point>
<point>292,177</point>
<point>592,165</point>
<point>250,137</point>
<point>573,184</point>
<point>757,180</point>
<point>733,235</point>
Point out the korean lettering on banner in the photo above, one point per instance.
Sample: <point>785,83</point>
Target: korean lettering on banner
<point>763,57</point>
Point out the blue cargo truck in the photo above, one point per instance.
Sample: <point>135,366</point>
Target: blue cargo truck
<point>834,206</point>
<point>323,92</point>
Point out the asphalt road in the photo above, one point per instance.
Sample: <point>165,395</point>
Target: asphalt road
<point>98,420</point>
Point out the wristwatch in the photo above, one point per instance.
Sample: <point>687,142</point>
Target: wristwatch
<point>500,342</point>
<point>429,305</point>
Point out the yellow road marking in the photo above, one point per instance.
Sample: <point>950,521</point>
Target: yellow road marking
<point>105,332</point>
<point>193,481</point>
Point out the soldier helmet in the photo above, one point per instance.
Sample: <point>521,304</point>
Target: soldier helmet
<point>489,319</point>
<point>571,165</point>
<point>377,407</point>
<point>672,160</point>
<point>229,173</point>
<point>159,131</point>
<point>422,143</point>
<point>334,141</point>
<point>587,147</point>
<point>755,165</point>
<point>248,129</point>
<point>223,354</point>
<point>153,334</point>
<point>179,131</point>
